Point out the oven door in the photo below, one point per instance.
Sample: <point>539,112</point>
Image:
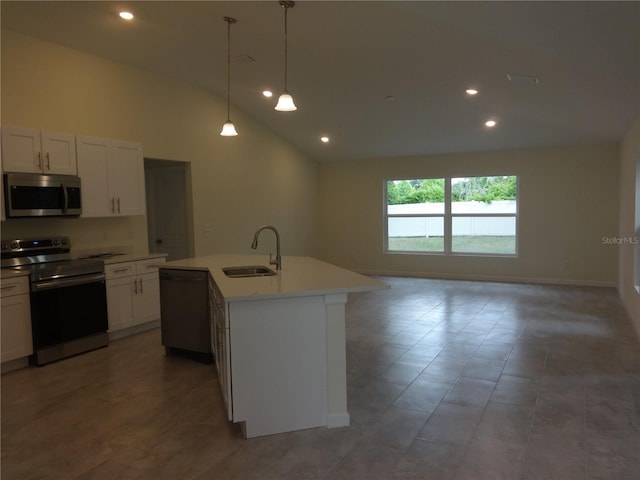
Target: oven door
<point>68,316</point>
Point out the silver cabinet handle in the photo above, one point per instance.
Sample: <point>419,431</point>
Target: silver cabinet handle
<point>7,287</point>
<point>113,205</point>
<point>121,270</point>
<point>141,292</point>
<point>39,155</point>
<point>118,204</point>
<point>135,286</point>
<point>48,162</point>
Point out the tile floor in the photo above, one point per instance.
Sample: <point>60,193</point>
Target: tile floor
<point>446,379</point>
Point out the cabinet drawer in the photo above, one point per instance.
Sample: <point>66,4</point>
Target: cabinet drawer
<point>14,286</point>
<point>119,270</point>
<point>147,266</point>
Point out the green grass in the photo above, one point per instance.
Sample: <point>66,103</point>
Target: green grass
<point>460,244</point>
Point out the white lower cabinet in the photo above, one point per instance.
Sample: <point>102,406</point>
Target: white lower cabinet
<point>220,343</point>
<point>15,319</point>
<point>272,361</point>
<point>133,293</point>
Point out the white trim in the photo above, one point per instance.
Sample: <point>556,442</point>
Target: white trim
<point>335,420</point>
<point>125,332</point>
<point>491,278</point>
<point>636,328</point>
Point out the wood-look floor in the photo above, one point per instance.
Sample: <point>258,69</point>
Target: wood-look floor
<point>447,380</point>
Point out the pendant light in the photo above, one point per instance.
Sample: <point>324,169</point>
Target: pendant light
<point>285,102</point>
<point>229,129</point>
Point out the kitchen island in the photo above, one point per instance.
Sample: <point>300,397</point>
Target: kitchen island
<point>279,341</point>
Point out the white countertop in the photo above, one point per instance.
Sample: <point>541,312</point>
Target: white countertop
<point>11,273</point>
<point>300,276</point>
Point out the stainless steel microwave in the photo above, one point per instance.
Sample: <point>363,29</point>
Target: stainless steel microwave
<point>35,195</point>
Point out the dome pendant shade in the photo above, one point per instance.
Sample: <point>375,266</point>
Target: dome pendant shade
<point>285,103</point>
<point>228,129</point>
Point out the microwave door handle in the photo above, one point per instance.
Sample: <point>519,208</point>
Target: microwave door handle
<point>66,197</point>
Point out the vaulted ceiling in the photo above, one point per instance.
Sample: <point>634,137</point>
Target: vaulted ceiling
<point>382,78</point>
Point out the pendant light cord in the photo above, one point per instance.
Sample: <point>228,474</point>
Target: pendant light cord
<point>286,4</point>
<point>286,7</point>
<point>229,21</point>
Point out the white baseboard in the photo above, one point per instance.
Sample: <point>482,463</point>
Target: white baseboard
<point>125,332</point>
<point>491,278</point>
<point>335,420</point>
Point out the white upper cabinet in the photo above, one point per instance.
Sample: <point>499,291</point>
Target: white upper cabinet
<point>112,175</point>
<point>127,177</point>
<point>35,151</point>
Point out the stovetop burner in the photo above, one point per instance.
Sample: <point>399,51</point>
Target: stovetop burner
<point>46,259</point>
<point>60,269</point>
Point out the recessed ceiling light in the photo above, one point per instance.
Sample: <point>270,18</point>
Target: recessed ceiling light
<point>324,139</point>
<point>471,91</point>
<point>126,15</point>
<point>267,93</point>
<point>490,123</point>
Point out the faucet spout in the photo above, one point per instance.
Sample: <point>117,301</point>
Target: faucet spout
<point>278,261</point>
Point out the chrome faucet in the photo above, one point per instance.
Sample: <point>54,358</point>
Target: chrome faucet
<point>278,261</point>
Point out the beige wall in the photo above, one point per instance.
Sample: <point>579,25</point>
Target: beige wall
<point>629,226</point>
<point>568,196</point>
<point>238,183</point>
<point>568,201</point>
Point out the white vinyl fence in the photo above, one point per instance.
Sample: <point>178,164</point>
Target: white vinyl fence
<point>470,219</point>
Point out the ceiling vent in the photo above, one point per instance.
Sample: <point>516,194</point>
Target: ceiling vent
<point>523,78</point>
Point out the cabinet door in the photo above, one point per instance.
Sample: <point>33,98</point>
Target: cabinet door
<point>58,153</point>
<point>126,175</point>
<point>120,297</point>
<point>225,355</point>
<point>15,327</point>
<point>93,169</point>
<point>21,149</point>
<point>147,298</point>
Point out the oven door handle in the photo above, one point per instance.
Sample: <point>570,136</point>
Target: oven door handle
<point>68,282</point>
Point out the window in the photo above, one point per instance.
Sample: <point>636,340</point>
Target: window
<point>467,215</point>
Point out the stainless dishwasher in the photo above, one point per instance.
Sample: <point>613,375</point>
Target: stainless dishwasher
<point>184,313</point>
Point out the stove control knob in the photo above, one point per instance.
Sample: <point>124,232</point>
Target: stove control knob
<point>55,241</point>
<point>14,245</point>
<point>64,241</point>
<point>5,246</point>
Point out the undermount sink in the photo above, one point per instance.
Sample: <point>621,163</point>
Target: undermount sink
<point>248,271</point>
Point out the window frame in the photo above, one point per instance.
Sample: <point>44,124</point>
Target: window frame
<point>448,217</point>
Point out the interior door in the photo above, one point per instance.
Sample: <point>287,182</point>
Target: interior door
<point>167,208</point>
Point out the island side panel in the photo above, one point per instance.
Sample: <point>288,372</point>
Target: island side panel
<point>279,364</point>
<point>337,415</point>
